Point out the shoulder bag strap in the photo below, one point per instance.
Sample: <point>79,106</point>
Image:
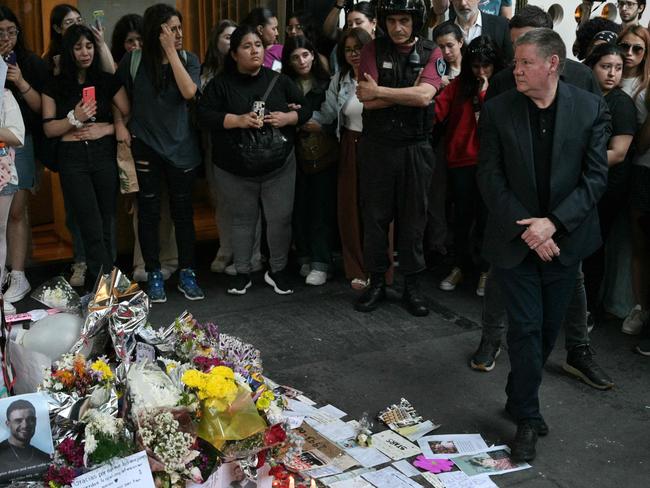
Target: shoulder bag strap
<point>271,85</point>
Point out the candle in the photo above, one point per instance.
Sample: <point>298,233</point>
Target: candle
<point>292,483</point>
<point>312,484</point>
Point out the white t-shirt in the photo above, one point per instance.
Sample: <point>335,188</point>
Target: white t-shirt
<point>10,116</point>
<point>630,85</point>
<point>352,110</point>
<point>641,115</point>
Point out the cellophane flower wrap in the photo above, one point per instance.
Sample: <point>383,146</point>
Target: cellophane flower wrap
<point>227,409</point>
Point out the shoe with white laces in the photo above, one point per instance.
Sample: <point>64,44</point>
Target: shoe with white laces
<point>78,274</point>
<point>633,323</point>
<point>19,287</point>
<point>316,278</point>
<point>452,280</point>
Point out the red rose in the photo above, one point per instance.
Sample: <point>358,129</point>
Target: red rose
<point>275,435</point>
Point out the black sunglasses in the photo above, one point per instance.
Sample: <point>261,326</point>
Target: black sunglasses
<point>636,49</point>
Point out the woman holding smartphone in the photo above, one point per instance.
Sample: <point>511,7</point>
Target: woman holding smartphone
<point>26,76</point>
<point>77,107</point>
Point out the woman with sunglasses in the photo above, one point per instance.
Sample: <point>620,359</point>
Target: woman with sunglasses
<point>634,42</point>
<point>459,105</point>
<point>606,61</point>
<point>26,76</point>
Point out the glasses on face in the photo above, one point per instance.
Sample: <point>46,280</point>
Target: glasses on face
<point>294,28</point>
<point>352,51</point>
<point>9,33</point>
<point>69,22</point>
<point>636,48</point>
<point>626,4</point>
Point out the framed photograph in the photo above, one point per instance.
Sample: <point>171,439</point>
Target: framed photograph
<point>26,445</point>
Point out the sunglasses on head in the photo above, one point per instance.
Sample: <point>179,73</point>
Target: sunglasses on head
<point>636,49</point>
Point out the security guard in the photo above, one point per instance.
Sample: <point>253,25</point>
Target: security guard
<point>397,82</point>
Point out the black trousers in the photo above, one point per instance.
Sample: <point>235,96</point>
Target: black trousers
<point>537,295</point>
<point>394,184</point>
<point>154,171</point>
<point>88,172</point>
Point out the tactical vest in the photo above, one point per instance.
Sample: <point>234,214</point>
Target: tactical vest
<point>399,123</point>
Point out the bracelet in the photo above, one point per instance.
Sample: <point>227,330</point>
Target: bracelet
<point>74,121</point>
<point>26,91</point>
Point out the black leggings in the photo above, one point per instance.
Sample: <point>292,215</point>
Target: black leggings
<point>88,172</point>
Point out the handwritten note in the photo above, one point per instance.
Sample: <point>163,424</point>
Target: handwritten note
<point>394,445</point>
<point>131,472</point>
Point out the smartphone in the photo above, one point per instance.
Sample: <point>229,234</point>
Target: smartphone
<point>10,58</point>
<point>258,108</point>
<point>98,18</point>
<point>88,94</point>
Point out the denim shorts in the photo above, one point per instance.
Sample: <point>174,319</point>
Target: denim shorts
<point>9,189</point>
<point>26,165</point>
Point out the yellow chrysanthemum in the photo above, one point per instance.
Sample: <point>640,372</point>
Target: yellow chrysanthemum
<point>101,367</point>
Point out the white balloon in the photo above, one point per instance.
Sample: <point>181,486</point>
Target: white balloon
<point>54,335</point>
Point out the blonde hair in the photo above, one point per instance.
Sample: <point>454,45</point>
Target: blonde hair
<point>644,67</point>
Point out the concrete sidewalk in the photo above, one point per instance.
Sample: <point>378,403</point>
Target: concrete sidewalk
<point>315,341</point>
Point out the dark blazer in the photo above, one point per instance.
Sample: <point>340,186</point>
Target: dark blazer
<point>506,173</point>
<point>574,73</point>
<point>498,29</point>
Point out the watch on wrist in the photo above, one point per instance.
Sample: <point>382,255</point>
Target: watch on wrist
<point>74,121</point>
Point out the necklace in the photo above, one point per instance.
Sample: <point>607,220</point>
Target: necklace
<point>24,461</point>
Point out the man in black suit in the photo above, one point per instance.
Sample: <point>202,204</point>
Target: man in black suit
<point>579,361</point>
<point>475,23</point>
<point>542,169</point>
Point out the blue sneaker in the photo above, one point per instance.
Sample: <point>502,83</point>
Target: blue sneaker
<point>187,285</point>
<point>156,287</point>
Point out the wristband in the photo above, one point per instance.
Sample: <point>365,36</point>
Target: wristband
<point>74,121</point>
<point>26,91</point>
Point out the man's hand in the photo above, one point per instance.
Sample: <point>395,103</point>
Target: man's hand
<point>547,250</point>
<point>539,231</point>
<point>367,90</point>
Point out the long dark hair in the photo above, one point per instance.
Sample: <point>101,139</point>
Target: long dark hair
<point>230,65</point>
<point>318,71</point>
<point>214,60</point>
<point>57,15</point>
<point>259,16</point>
<point>361,36</point>
<point>152,52</point>
<point>69,68</point>
<point>481,50</point>
<point>127,23</point>
<point>369,10</point>
<point>7,14</point>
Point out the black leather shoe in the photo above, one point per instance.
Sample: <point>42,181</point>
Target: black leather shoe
<point>412,299</point>
<point>523,446</point>
<point>540,425</point>
<point>580,363</point>
<point>373,296</point>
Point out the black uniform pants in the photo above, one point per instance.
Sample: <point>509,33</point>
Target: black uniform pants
<point>394,183</point>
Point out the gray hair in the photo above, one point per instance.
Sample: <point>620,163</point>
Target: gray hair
<point>548,43</point>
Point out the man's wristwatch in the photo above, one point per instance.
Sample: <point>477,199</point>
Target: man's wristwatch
<point>74,121</point>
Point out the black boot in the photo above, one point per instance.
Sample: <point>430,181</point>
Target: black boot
<point>374,294</point>
<point>523,446</point>
<point>412,298</point>
<point>580,363</point>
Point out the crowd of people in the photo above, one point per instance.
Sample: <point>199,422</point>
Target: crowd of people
<point>372,141</point>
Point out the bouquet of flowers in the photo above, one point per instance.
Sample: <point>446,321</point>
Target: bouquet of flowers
<point>57,293</point>
<point>171,450</point>
<point>104,438</point>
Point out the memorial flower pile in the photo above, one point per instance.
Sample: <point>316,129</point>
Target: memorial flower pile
<point>73,373</point>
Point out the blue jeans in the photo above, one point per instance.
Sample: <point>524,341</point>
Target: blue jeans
<point>537,295</point>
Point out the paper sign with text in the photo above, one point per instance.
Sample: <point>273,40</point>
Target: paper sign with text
<point>128,472</point>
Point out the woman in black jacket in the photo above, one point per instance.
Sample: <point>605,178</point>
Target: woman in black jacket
<point>233,106</point>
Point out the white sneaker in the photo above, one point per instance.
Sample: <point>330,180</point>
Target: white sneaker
<point>78,274</point>
<point>316,278</point>
<point>219,264</point>
<point>9,308</point>
<point>19,287</point>
<point>452,280</point>
<point>305,270</point>
<point>633,323</point>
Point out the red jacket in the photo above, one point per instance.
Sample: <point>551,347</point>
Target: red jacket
<point>461,136</point>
